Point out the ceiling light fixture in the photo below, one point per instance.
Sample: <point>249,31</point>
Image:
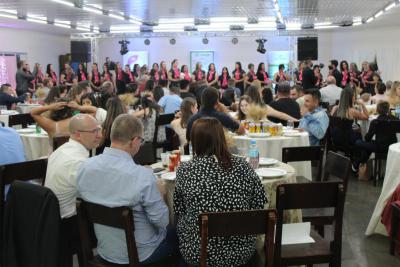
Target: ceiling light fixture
<point>185,21</point>
<point>389,7</point>
<point>266,19</point>
<point>228,20</point>
<point>358,23</point>
<point>293,26</point>
<point>64,3</point>
<point>37,20</point>
<point>213,28</point>
<point>115,16</point>
<point>326,27</point>
<point>82,28</point>
<point>93,10</point>
<point>327,23</point>
<point>62,25</point>
<point>378,14</point>
<point>135,20</point>
<point>10,16</point>
<point>369,20</point>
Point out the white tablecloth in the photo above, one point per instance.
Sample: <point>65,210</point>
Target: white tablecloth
<point>390,183</point>
<point>5,114</point>
<point>271,147</point>
<point>26,108</point>
<point>36,145</point>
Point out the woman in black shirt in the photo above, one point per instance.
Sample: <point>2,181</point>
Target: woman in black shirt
<point>238,75</point>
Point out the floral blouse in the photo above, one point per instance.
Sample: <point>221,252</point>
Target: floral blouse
<point>203,185</point>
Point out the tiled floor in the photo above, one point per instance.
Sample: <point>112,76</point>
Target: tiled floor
<point>359,250</point>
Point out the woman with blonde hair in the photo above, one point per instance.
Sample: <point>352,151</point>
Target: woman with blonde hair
<point>394,94</point>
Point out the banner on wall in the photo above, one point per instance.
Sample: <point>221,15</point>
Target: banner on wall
<point>204,57</point>
<point>275,58</point>
<point>136,57</point>
<point>8,68</point>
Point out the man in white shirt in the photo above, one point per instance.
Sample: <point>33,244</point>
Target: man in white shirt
<point>61,173</point>
<point>63,163</point>
<point>331,92</point>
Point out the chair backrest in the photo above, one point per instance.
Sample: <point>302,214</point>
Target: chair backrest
<point>22,171</point>
<point>339,166</point>
<point>20,119</point>
<point>341,126</point>
<point>162,119</point>
<point>234,223</point>
<point>309,196</point>
<point>145,155</point>
<point>385,127</point>
<point>120,217</point>
<point>304,153</point>
<point>59,141</point>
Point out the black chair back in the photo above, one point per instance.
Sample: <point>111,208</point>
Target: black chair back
<point>162,120</point>
<point>338,166</point>
<point>305,153</point>
<point>20,119</point>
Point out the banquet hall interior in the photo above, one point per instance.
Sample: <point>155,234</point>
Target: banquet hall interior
<point>199,133</point>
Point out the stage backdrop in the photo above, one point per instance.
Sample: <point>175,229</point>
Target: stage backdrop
<point>8,68</point>
<point>204,57</point>
<point>136,57</point>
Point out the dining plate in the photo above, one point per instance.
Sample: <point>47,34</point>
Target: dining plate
<point>267,161</point>
<point>169,176</point>
<point>270,172</point>
<point>26,130</point>
<point>258,135</point>
<point>292,134</point>
<point>185,158</point>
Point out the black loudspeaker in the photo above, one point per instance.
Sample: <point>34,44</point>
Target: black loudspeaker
<point>307,48</point>
<point>81,51</point>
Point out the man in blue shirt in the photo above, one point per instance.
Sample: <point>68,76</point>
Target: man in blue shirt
<point>172,102</point>
<point>315,121</point>
<point>7,98</point>
<point>210,104</point>
<point>113,179</point>
<point>11,147</point>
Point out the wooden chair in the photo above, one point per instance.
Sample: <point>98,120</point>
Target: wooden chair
<point>120,217</point>
<point>309,196</point>
<point>20,119</point>
<point>235,223</point>
<point>22,171</point>
<point>395,228</point>
<point>162,120</point>
<point>382,130</point>
<point>59,141</point>
<point>304,153</point>
<point>338,166</point>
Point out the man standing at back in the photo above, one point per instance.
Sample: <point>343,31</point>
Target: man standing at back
<point>172,102</point>
<point>309,79</point>
<point>113,179</point>
<point>62,167</point>
<point>23,78</point>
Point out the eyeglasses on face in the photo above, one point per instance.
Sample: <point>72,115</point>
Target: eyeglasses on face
<point>94,131</point>
<point>141,139</point>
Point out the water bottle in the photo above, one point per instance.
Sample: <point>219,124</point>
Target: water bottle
<point>253,155</point>
<point>397,111</point>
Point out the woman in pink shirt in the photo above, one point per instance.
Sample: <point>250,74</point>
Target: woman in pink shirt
<point>238,75</point>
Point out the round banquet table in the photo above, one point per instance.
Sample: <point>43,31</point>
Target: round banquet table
<point>271,147</point>
<point>270,185</point>
<point>36,145</point>
<point>390,183</point>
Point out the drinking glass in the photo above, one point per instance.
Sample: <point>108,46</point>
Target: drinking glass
<point>290,125</point>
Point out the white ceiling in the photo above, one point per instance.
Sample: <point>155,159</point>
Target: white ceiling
<point>298,11</point>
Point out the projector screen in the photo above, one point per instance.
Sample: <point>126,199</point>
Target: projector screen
<point>136,57</point>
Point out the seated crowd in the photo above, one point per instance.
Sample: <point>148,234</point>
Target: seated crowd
<point>115,113</point>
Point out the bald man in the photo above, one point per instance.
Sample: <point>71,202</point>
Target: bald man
<point>331,92</point>
<point>63,164</point>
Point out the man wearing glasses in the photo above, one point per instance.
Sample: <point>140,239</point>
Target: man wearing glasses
<point>62,167</point>
<point>113,179</point>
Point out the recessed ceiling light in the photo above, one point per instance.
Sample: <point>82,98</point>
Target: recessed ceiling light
<point>10,16</point>
<point>61,25</point>
<point>389,7</point>
<point>115,16</point>
<point>370,19</point>
<point>64,3</point>
<point>323,23</point>
<point>36,20</point>
<point>93,10</point>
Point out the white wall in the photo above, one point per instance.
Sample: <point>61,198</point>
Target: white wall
<point>364,44</point>
<point>226,53</point>
<point>40,47</point>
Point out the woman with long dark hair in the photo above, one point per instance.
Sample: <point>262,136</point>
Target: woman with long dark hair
<point>81,73</point>
<point>238,75</point>
<point>235,186</point>
<point>185,75</point>
<point>318,76</point>
<point>212,75</point>
<point>163,71</point>
<point>262,75</point>
<point>106,76</point>
<point>128,75</point>
<point>344,69</point>
<point>95,76</point>
<point>354,75</point>
<point>136,71</point>
<point>154,73</point>
<point>51,74</point>
<point>188,108</point>
<point>280,75</point>
<point>223,79</point>
<point>120,79</point>
<point>174,75</point>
